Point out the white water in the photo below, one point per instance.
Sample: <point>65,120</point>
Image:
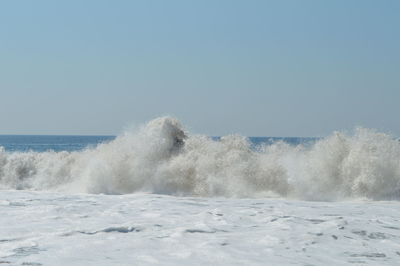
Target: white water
<point>42,228</point>
<point>65,228</point>
<point>162,158</point>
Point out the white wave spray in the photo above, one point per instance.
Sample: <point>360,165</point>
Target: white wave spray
<point>162,158</point>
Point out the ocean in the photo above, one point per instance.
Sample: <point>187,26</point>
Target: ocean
<point>161,195</point>
<point>43,143</point>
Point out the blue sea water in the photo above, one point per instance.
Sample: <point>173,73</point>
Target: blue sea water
<point>41,143</point>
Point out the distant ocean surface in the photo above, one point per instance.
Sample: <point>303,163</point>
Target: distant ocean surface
<point>43,143</point>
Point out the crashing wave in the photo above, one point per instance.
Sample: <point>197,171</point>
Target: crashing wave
<point>162,158</point>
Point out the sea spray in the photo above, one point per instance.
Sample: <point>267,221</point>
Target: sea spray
<point>161,157</point>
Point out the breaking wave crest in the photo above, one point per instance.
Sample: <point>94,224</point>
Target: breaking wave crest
<point>162,158</point>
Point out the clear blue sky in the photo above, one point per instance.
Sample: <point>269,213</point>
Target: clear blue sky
<point>258,68</point>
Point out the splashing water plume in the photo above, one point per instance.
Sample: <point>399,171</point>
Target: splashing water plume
<point>162,158</point>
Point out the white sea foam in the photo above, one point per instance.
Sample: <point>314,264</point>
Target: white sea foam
<point>162,158</point>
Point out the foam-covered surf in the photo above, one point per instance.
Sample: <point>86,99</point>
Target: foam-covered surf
<point>161,157</point>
